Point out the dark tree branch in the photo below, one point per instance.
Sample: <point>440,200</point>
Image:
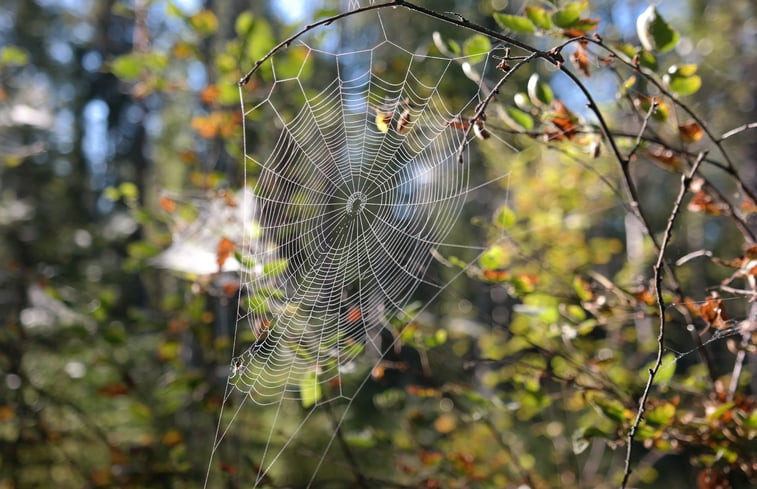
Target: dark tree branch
<point>685,181</point>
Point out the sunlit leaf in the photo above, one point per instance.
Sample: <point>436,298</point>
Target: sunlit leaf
<point>569,15</point>
<point>683,85</point>
<point>690,131</point>
<point>275,267</point>
<point>515,23</point>
<point>580,60</point>
<point>127,67</point>
<point>476,47</point>
<point>661,111</point>
<point>523,120</point>
<point>204,22</point>
<point>495,257</point>
<point>539,17</point>
<point>666,370</point>
<point>654,33</point>
<point>243,24</point>
<point>13,56</point>
<point>662,414</point>
<point>539,92</point>
<point>504,217</point>
<point>310,389</point>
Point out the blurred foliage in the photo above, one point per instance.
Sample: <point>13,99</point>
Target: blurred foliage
<point>120,222</point>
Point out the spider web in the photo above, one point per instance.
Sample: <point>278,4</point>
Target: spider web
<point>362,184</point>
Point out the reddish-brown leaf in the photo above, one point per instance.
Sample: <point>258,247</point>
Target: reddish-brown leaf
<point>690,132</point>
<point>748,205</point>
<point>459,123</point>
<point>711,478</point>
<point>564,120</point>
<point>167,204</point>
<point>665,157</point>
<point>209,95</point>
<point>354,314</point>
<point>224,251</point>
<point>714,312</point>
<point>703,202</point>
<point>172,438</point>
<point>113,390</point>
<point>580,60</point>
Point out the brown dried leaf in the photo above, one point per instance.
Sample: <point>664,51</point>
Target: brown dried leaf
<point>713,312</point>
<point>167,204</point>
<point>223,251</point>
<point>691,132</point>
<point>580,60</point>
<point>665,157</point>
<point>704,202</point>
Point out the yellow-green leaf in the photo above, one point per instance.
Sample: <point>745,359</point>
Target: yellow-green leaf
<point>515,23</point>
<point>476,47</point>
<point>495,257</point>
<point>522,119</point>
<point>539,17</point>
<point>569,14</point>
<point>310,389</point>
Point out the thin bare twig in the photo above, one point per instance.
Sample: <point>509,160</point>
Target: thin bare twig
<point>481,107</point>
<point>738,365</point>
<point>685,181</point>
<point>738,130</point>
<point>644,124</point>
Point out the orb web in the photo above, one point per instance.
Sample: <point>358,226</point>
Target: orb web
<point>361,183</point>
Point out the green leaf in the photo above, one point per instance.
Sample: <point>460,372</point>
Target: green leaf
<point>13,56</point>
<point>611,408</point>
<point>720,411</point>
<point>257,304</point>
<point>539,92</point>
<point>522,119</point>
<point>243,25</point>
<point>683,70</point>
<point>275,267</point>
<point>539,17</point>
<point>310,389</point>
<point>515,23</point>
<point>494,258</point>
<point>648,60</point>
<point>476,47</point>
<point>683,85</point>
<point>654,33</point>
<point>661,415</point>
<point>504,217</point>
<point>204,22</point>
<point>667,369</point>
<point>438,338</point>
<point>127,67</point>
<point>579,441</point>
<point>569,15</point>
<point>129,190</point>
<point>750,423</point>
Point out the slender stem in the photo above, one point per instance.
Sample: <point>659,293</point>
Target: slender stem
<point>658,270</point>
<point>739,130</point>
